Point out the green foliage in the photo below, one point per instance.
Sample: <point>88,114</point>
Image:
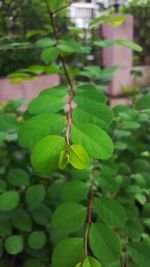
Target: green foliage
<point>84,200</point>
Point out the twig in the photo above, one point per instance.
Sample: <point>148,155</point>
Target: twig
<point>71,89</point>
<point>89,213</point>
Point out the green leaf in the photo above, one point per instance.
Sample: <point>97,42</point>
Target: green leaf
<point>129,44</point>
<point>97,143</point>
<point>3,136</point>
<point>5,227</point>
<point>8,122</point>
<point>108,184</point>
<point>49,55</point>
<point>32,263</point>
<point>56,4</point>
<point>46,153</point>
<point>89,262</point>
<point>104,244</point>
<point>14,244</point>
<point>40,126</point>
<point>36,69</point>
<point>37,240</point>
<point>22,220</point>
<point>35,194</point>
<point>133,229</point>
<point>139,253</point>
<point>41,215</point>
<point>92,112</point>
<point>45,104</point>
<point>68,252</point>
<point>45,42</point>
<point>70,47</point>
<point>63,160</point>
<point>9,200</point>
<point>69,217</point>
<point>114,21</point>
<point>78,157</point>
<point>18,177</point>
<point>74,191</point>
<point>59,91</point>
<point>143,103</point>
<point>89,94</point>
<point>110,211</point>
<point>104,43</point>
<point>107,72</point>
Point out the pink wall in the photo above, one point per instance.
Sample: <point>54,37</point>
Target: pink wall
<point>28,89</point>
<point>119,55</point>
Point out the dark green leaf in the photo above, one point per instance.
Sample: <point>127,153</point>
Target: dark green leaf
<point>104,244</point>
<point>139,253</point>
<point>68,252</point>
<point>35,194</point>
<point>46,153</point>
<point>18,177</point>
<point>22,220</point>
<point>49,55</point>
<point>9,200</point>
<point>143,103</point>
<point>69,217</point>
<point>40,126</point>
<point>14,244</point>
<point>97,143</point>
<point>37,240</point>
<point>45,104</point>
<point>74,191</point>
<point>110,211</point>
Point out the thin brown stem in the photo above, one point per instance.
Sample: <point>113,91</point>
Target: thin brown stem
<point>89,213</point>
<point>70,84</point>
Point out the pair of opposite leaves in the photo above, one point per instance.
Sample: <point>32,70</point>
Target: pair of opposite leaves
<point>49,154</point>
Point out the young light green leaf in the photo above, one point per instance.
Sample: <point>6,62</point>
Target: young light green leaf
<point>97,143</point>
<point>90,262</point>
<point>69,217</point>
<point>104,237</point>
<point>46,104</point>
<point>37,240</point>
<point>78,157</point>
<point>46,153</point>
<point>9,200</point>
<point>110,211</point>
<point>63,160</point>
<point>68,252</point>
<point>14,244</point>
<point>40,126</point>
<point>129,44</point>
<point>35,194</point>
<point>49,55</point>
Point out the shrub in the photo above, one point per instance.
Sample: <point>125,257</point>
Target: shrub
<point>83,203</point>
